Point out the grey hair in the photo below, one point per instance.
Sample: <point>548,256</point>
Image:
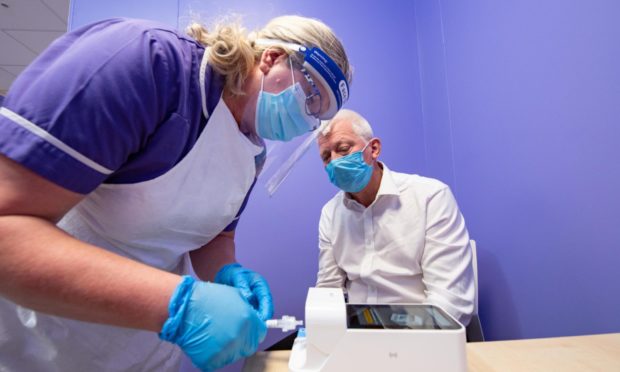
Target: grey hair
<point>360,125</point>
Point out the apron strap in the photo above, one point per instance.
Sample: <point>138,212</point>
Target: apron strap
<point>202,77</point>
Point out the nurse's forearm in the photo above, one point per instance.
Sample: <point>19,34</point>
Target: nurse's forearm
<point>210,258</point>
<point>45,269</point>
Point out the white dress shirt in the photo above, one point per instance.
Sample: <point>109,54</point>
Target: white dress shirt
<point>410,245</point>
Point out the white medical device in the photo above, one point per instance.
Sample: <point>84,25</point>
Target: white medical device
<point>376,337</point>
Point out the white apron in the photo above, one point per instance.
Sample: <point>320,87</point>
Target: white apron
<point>156,222</point>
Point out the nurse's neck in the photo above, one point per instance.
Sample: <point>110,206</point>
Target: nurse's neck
<point>243,106</point>
<point>236,104</point>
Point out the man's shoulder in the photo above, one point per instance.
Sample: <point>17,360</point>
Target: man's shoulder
<point>415,182</point>
<point>334,202</point>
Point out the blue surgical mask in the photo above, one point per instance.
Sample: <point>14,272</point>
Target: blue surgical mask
<point>282,116</point>
<point>350,173</point>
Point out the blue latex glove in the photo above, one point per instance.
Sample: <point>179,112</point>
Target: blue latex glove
<point>252,286</point>
<point>212,323</point>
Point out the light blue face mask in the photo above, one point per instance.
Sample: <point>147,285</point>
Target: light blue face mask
<point>350,173</point>
<point>282,116</point>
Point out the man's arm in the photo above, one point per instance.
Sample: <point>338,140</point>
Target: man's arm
<point>447,260</point>
<point>329,274</point>
<point>45,269</point>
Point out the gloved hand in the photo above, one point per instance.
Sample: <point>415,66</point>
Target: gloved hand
<point>212,323</point>
<point>252,286</point>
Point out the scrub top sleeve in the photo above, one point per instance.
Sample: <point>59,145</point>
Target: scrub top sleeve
<point>87,103</point>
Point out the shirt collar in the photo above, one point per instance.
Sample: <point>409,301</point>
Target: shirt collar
<point>387,187</point>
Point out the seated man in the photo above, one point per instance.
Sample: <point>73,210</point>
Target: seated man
<point>389,237</point>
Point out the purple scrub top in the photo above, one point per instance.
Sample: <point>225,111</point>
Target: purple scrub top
<point>117,101</point>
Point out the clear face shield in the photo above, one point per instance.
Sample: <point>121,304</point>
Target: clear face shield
<point>294,131</point>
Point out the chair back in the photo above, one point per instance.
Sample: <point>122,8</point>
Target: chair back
<point>474,328</point>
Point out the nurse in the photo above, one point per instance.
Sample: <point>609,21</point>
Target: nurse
<point>128,152</point>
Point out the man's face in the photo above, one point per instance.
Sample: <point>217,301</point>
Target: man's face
<point>339,142</point>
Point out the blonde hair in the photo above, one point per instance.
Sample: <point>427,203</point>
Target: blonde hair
<point>360,125</point>
<point>233,52</point>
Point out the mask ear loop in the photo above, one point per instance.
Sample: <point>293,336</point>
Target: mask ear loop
<point>262,82</point>
<point>290,63</point>
<point>367,143</point>
<point>364,149</point>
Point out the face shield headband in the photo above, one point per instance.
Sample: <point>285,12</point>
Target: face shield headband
<point>324,69</point>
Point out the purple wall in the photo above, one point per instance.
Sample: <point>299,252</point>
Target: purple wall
<point>83,12</point>
<point>521,99</point>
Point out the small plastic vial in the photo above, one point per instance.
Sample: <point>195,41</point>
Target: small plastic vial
<point>298,357</point>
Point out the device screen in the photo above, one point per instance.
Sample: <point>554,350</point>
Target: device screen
<point>384,316</point>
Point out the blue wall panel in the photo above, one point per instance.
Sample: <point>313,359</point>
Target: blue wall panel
<point>532,101</point>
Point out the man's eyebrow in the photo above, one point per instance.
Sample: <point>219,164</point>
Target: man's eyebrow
<point>335,145</point>
<point>341,141</point>
<point>332,146</point>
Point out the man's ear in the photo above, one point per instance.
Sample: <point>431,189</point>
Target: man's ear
<point>375,145</point>
<point>269,58</point>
